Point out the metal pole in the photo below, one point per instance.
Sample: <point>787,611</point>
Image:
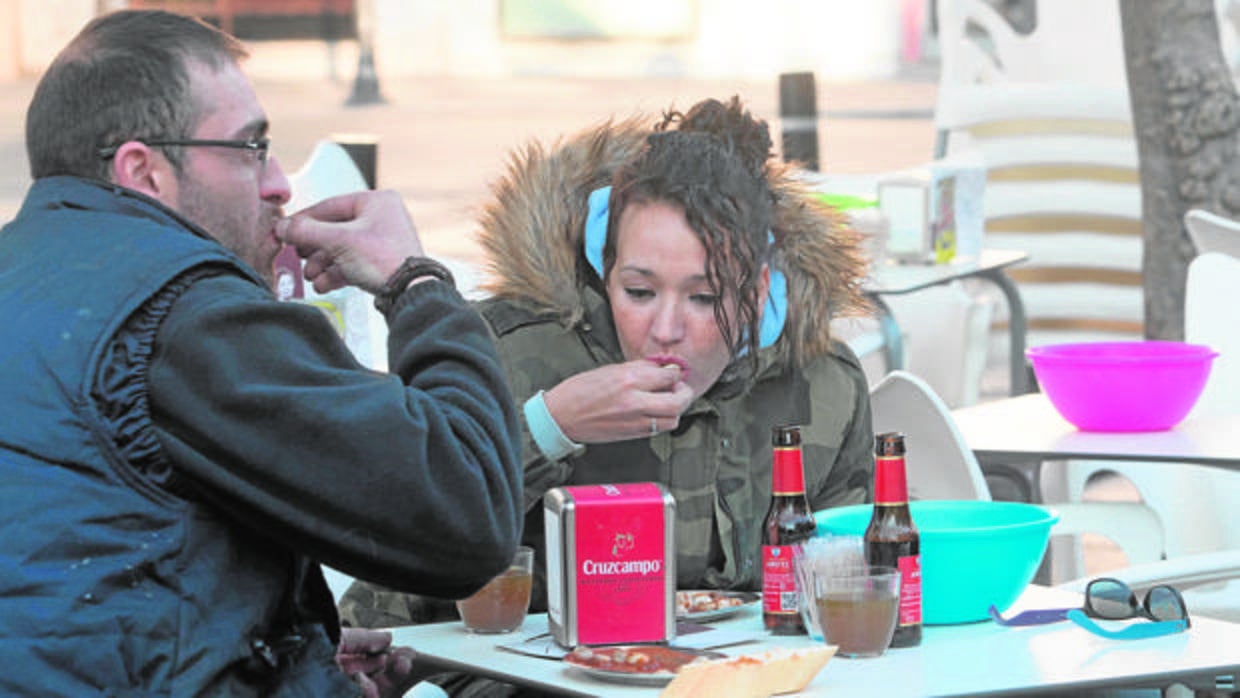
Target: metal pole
<point>366,84</point>
<point>798,114</point>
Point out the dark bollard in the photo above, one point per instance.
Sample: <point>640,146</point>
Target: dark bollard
<point>366,85</point>
<point>364,149</point>
<point>798,114</point>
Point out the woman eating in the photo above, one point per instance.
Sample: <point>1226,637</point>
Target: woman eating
<point>661,298</point>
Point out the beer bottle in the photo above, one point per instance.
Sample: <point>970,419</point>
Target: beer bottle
<point>788,523</point>
<point>891,539</point>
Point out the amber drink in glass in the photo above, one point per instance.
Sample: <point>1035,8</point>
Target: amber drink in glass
<point>501,605</point>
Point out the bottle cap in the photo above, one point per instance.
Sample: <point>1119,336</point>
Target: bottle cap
<point>788,436</point>
<point>889,444</point>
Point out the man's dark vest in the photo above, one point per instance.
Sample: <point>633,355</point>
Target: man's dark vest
<point>109,583</point>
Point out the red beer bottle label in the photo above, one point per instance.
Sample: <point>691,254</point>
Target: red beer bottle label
<point>787,472</point>
<point>890,482</point>
<point>910,589</point>
<point>779,583</point>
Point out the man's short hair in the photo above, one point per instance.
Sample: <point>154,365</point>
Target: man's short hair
<point>125,76</point>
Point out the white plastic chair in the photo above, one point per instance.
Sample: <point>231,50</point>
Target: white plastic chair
<point>1079,41</point>
<point>1062,184</point>
<point>1049,114</point>
<point>947,331</point>
<point>1054,126</point>
<point>1209,301</point>
<point>1195,504</point>
<point>328,172</point>
<point>943,329</point>
<point>1213,233</point>
<point>941,466</point>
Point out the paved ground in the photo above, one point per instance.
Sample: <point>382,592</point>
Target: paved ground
<point>442,141</point>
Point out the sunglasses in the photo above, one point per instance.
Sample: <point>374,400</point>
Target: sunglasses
<point>1110,599</point>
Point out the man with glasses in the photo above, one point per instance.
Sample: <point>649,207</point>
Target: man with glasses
<point>178,449</point>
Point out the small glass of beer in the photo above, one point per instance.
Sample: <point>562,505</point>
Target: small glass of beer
<point>501,605</point>
<point>858,608</point>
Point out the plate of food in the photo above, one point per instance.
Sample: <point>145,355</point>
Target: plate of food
<point>643,665</point>
<point>711,604</point>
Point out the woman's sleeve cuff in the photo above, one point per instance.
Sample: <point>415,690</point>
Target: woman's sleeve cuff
<point>551,441</point>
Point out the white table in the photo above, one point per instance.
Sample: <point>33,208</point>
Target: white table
<point>891,278</point>
<point>1028,429</point>
<point>952,660</point>
<point>1013,437</point>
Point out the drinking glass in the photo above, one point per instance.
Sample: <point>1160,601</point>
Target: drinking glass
<point>501,605</point>
<point>858,607</point>
<point>817,556</point>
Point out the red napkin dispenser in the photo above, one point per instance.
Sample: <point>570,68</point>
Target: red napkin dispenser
<point>611,563</point>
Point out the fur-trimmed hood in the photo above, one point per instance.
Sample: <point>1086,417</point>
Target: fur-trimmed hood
<point>532,234</point>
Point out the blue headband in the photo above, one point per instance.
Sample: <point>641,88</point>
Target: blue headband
<point>773,313</point>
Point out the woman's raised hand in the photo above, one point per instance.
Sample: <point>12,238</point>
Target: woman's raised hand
<point>617,402</point>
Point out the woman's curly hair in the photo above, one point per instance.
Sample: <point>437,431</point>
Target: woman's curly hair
<point>710,162</point>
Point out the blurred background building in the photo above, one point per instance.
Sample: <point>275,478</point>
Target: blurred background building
<point>837,39</point>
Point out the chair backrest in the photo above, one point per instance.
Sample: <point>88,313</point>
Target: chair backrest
<point>1063,184</point>
<point>1209,311</point>
<point>329,171</point>
<point>1213,233</point>
<point>1079,41</point>
<point>1049,113</point>
<point>1213,284</point>
<point>940,465</point>
<point>338,582</point>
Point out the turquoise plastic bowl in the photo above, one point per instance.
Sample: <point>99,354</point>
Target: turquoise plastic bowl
<point>973,553</point>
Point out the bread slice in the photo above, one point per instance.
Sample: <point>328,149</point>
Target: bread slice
<point>750,676</point>
<point>791,670</point>
<point>734,677</point>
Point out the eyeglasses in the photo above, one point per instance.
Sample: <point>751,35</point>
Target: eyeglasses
<point>259,146</point>
<point>1110,599</point>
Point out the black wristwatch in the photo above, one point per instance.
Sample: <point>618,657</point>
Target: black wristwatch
<point>409,270</point>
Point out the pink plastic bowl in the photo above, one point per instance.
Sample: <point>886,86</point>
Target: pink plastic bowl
<point>1122,386</point>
